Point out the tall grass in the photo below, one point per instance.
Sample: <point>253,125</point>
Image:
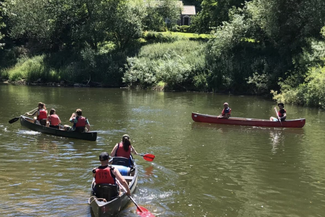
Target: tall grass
<point>31,69</point>
<point>176,64</point>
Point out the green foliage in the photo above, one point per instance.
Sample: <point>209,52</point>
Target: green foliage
<point>29,19</point>
<point>30,69</point>
<point>2,24</point>
<point>58,24</point>
<point>310,93</point>
<point>227,56</point>
<point>277,39</point>
<point>214,13</point>
<point>175,64</point>
<point>253,45</point>
<point>161,14</point>
<point>260,82</point>
<point>322,32</point>
<point>183,28</point>
<point>127,23</point>
<point>159,37</point>
<point>311,90</point>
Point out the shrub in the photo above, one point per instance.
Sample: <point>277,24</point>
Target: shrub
<point>310,93</point>
<point>184,28</point>
<point>158,37</point>
<point>177,64</point>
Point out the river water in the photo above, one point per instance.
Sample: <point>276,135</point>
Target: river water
<point>200,169</point>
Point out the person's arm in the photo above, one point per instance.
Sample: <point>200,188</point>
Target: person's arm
<point>87,125</point>
<point>122,181</point>
<point>72,118</point>
<point>94,172</point>
<point>32,114</point>
<point>284,116</point>
<point>114,150</point>
<point>133,150</point>
<point>221,115</point>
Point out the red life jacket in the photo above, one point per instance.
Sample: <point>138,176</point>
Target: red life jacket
<point>224,111</point>
<point>104,176</point>
<point>42,114</point>
<point>281,113</point>
<point>120,152</point>
<point>81,121</point>
<point>54,120</point>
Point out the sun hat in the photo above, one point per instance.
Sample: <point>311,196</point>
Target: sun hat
<point>126,135</point>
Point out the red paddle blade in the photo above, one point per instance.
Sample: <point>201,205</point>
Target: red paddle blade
<point>143,212</point>
<point>149,157</point>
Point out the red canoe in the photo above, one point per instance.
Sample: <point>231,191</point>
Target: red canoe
<point>295,123</point>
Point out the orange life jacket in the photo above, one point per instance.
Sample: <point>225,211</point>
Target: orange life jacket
<point>54,120</point>
<point>120,152</point>
<point>104,176</point>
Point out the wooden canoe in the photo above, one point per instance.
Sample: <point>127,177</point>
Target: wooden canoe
<point>294,123</point>
<point>29,123</point>
<point>100,208</point>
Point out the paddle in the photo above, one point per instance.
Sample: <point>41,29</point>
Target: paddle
<point>276,111</point>
<point>148,157</point>
<point>13,120</point>
<point>17,118</point>
<point>141,211</point>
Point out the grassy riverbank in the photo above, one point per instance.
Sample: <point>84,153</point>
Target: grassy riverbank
<point>173,61</point>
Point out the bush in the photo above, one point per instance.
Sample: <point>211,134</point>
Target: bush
<point>158,37</point>
<point>29,69</point>
<point>184,28</point>
<point>311,90</point>
<point>177,64</point>
<point>310,93</point>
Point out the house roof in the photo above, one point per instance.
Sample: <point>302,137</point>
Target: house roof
<point>188,10</point>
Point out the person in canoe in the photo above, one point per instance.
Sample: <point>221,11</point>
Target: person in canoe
<point>53,119</point>
<point>41,114</point>
<point>124,149</point>
<point>80,123</point>
<point>225,112</point>
<point>106,174</point>
<point>282,113</point>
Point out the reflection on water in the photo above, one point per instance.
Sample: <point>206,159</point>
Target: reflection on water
<point>200,169</point>
<point>149,171</point>
<point>276,139</point>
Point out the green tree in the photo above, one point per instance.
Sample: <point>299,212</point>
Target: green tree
<point>29,19</point>
<point>2,24</point>
<point>264,40</point>
<point>127,23</point>
<point>213,13</point>
<point>161,14</point>
<point>171,11</point>
<point>58,24</point>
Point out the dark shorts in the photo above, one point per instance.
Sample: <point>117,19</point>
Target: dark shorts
<point>43,122</point>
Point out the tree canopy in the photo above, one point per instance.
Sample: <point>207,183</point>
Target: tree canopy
<point>254,46</point>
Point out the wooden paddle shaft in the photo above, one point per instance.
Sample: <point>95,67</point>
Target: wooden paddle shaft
<point>32,110</point>
<point>135,203</point>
